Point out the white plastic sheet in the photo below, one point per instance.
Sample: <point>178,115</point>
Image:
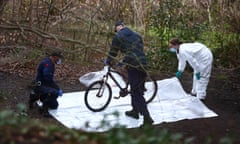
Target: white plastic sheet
<point>91,77</point>
<point>171,104</point>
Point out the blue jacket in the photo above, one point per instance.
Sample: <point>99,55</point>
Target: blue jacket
<point>130,43</point>
<point>45,73</point>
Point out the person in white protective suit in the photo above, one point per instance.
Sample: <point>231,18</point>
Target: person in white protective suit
<point>200,59</point>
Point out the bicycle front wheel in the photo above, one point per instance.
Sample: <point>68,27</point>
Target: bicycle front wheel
<point>97,96</point>
<point>150,90</point>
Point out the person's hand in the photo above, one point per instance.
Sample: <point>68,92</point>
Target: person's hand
<point>60,93</point>
<point>106,62</point>
<point>120,64</point>
<point>178,74</point>
<point>198,76</point>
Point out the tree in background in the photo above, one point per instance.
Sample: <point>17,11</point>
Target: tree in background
<point>84,28</point>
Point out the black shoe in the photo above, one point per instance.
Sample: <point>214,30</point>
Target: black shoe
<point>32,99</point>
<point>203,101</point>
<point>132,114</point>
<point>147,121</point>
<point>193,94</point>
<point>44,112</point>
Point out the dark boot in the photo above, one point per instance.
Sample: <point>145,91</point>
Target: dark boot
<point>44,111</point>
<point>147,121</point>
<point>193,94</point>
<point>33,97</point>
<point>203,101</point>
<point>132,114</point>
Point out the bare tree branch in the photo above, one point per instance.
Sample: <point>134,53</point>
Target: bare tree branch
<point>40,33</point>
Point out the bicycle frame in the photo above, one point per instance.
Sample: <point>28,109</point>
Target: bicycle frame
<point>104,92</point>
<point>123,90</point>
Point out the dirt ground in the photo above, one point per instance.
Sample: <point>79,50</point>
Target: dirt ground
<point>222,97</point>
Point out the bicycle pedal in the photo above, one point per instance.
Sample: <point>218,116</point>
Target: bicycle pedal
<point>116,97</point>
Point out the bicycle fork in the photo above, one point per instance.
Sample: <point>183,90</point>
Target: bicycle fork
<point>102,86</point>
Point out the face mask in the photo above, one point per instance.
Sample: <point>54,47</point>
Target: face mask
<point>59,61</point>
<point>173,50</point>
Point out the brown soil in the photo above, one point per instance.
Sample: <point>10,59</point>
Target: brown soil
<point>223,98</point>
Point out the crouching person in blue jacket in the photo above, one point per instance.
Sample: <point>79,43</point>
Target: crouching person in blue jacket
<point>46,88</point>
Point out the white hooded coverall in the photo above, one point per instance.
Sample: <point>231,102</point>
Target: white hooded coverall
<point>200,58</point>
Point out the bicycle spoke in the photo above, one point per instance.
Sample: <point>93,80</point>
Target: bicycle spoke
<point>98,96</point>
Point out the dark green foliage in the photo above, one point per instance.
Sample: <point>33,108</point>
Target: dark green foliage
<point>4,95</point>
<point>197,22</point>
<point>17,128</point>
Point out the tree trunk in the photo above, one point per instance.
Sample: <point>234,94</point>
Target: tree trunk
<point>2,6</point>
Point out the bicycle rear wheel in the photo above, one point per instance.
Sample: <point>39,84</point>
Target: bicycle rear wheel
<point>97,96</point>
<point>151,88</point>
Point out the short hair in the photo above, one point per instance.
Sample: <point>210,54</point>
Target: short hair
<point>57,53</point>
<point>119,23</point>
<point>175,41</point>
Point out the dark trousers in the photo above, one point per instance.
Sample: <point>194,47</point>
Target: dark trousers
<point>136,80</point>
<point>48,96</point>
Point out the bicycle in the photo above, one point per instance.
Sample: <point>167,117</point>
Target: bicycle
<point>103,91</point>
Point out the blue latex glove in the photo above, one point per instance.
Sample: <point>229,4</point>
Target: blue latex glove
<point>198,75</point>
<point>60,93</point>
<point>178,74</point>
